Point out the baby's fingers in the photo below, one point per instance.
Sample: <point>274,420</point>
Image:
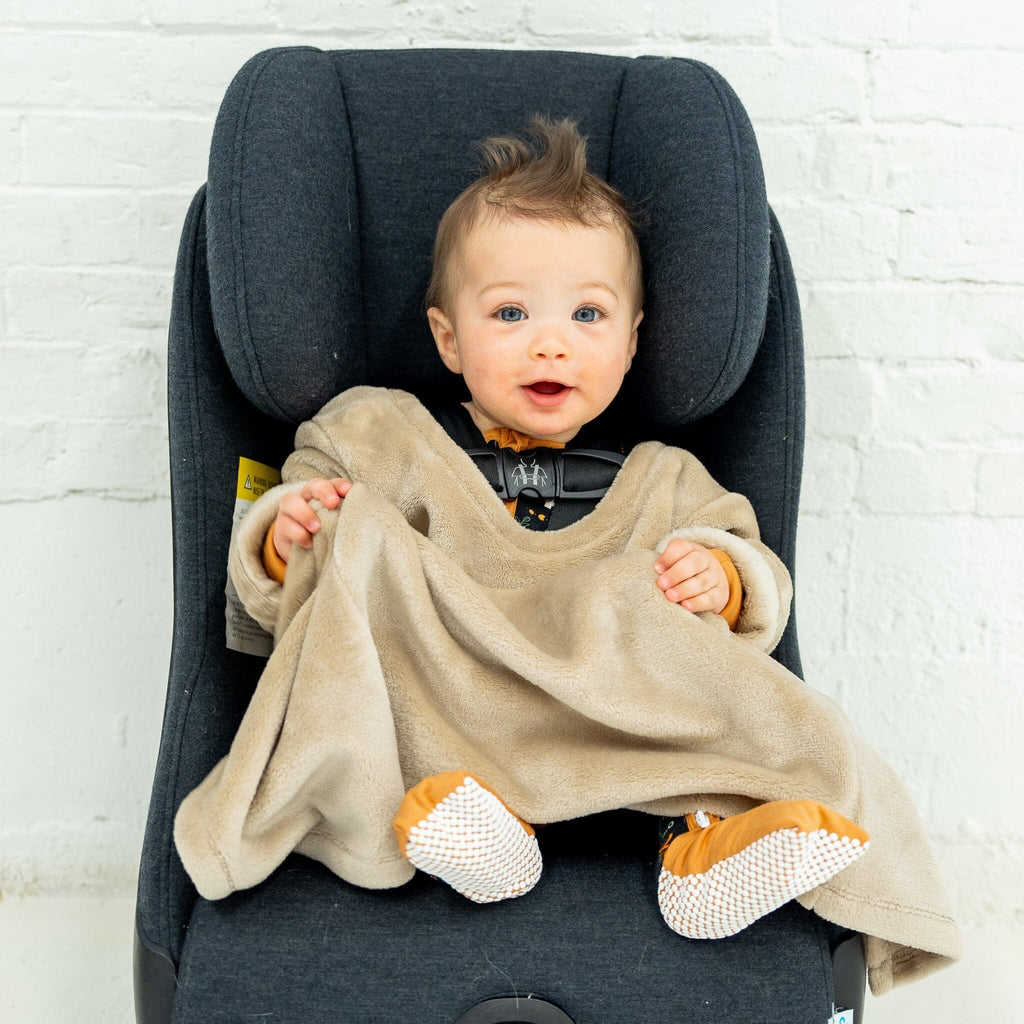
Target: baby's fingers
<point>295,515</point>
<point>328,492</point>
<point>695,593</point>
<point>675,551</point>
<point>696,581</point>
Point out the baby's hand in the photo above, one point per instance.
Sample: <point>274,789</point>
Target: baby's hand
<point>296,521</point>
<point>692,577</point>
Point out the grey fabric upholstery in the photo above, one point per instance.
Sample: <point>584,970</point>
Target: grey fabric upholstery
<point>328,172</point>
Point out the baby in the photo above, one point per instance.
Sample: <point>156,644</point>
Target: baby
<point>536,301</point>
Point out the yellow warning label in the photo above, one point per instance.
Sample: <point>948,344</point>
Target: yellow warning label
<point>254,478</point>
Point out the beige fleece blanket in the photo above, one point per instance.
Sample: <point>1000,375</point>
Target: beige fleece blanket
<point>428,631</point>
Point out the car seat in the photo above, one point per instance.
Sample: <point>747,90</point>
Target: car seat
<point>301,272</point>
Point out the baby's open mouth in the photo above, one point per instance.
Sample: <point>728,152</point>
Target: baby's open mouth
<point>547,394</point>
<point>547,387</point>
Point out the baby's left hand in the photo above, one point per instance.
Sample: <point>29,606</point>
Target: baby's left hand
<point>690,576</point>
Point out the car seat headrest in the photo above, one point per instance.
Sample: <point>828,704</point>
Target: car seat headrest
<point>330,170</point>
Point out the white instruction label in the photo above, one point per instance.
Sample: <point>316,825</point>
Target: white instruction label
<point>242,632</point>
<point>841,1017</point>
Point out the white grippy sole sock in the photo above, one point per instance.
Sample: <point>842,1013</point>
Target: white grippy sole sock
<point>771,871</point>
<point>475,844</point>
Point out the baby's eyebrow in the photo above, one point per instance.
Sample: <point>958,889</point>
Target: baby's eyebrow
<point>599,285</point>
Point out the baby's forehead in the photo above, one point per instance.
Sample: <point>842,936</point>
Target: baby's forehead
<point>492,230</point>
<point>501,234</point>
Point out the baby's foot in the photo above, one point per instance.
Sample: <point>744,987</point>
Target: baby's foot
<point>723,874</point>
<point>453,826</point>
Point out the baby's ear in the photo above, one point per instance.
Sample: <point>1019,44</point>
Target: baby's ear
<point>444,337</point>
<point>633,339</point>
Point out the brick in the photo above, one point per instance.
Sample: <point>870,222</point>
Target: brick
<point>840,398</point>
<point>956,245</point>
<point>125,459</point>
<point>787,155</point>
<point>822,576</point>
<point>28,451</point>
<point>950,24</point>
<point>69,69</point>
<point>984,685</point>
<point>99,12</point>
<point>898,322</point>
<point>107,539</point>
<point>871,23</point>
<point>133,557</point>
<point>83,384</point>
<point>951,404</point>
<point>75,859</point>
<point>876,322</point>
<point>734,21</point>
<point>10,149</point>
<point>830,477</point>
<point>990,322</point>
<point>436,22</point>
<point>380,18</point>
<point>939,166</point>
<point>103,306</point>
<point>890,699</point>
<point>1001,484</point>
<point>190,72</point>
<point>774,87</point>
<point>917,482</point>
<point>161,219</point>
<point>982,868</point>
<point>229,13</point>
<point>124,71</point>
<point>53,228</point>
<point>932,590</point>
<point>575,19</point>
<point>919,166</point>
<point>154,151</point>
<point>845,163</point>
<point>835,243</point>
<point>967,88</point>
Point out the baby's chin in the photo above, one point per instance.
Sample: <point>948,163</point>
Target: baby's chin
<point>539,421</point>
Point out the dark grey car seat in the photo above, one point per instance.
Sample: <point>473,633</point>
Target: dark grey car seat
<point>301,272</point>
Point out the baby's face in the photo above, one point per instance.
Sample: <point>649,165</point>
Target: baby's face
<point>542,324</point>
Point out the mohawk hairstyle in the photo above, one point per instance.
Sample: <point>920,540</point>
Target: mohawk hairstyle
<point>546,179</point>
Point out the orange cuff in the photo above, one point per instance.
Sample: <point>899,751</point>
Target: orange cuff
<point>274,565</point>
<point>731,612</point>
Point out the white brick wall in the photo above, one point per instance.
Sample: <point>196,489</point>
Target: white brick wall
<point>893,145</point>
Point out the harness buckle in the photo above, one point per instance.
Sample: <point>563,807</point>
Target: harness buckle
<point>542,473</point>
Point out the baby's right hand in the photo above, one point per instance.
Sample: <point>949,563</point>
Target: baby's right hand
<point>296,521</point>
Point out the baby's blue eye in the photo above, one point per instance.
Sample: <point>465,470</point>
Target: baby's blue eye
<point>511,314</point>
<point>587,315</point>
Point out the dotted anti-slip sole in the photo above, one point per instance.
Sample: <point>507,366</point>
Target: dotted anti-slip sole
<point>763,876</point>
<point>471,841</point>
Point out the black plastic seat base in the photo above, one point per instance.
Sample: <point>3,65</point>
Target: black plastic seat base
<point>515,1010</point>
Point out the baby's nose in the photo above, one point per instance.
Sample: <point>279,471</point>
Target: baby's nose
<point>549,342</point>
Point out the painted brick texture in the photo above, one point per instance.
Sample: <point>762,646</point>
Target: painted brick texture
<point>893,145</point>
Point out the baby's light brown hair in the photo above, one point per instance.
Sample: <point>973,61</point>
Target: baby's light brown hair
<point>548,181</point>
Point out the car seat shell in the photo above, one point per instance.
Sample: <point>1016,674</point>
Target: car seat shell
<point>300,175</point>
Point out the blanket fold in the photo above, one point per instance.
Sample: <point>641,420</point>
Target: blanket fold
<point>427,631</point>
